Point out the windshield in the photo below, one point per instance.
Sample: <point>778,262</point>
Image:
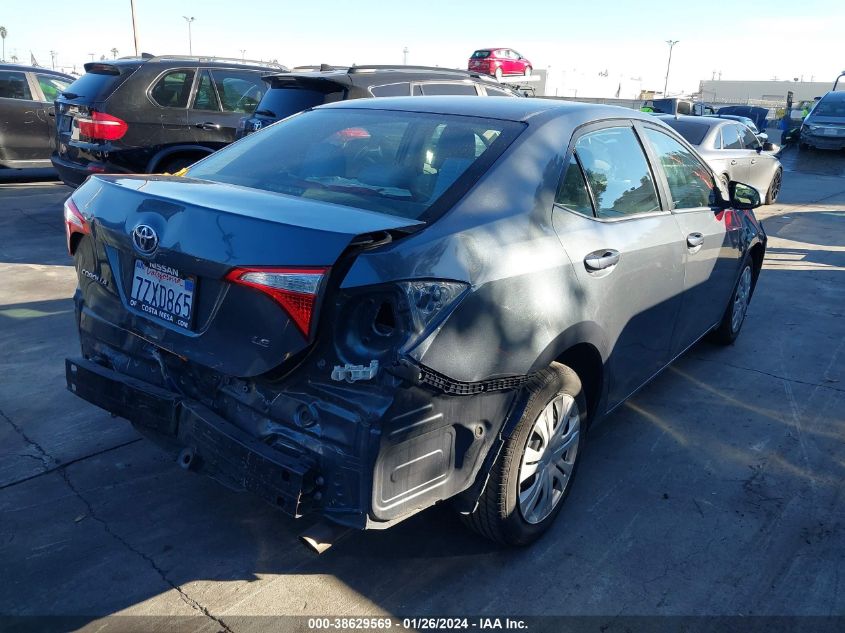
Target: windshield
<point>830,107</point>
<point>398,163</point>
<point>480,54</point>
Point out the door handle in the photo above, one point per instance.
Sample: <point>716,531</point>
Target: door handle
<point>601,260</point>
<point>694,240</point>
<point>733,162</point>
<point>753,161</point>
<point>51,113</point>
<point>208,125</point>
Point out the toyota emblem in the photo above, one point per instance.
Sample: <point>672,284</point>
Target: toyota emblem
<point>145,239</point>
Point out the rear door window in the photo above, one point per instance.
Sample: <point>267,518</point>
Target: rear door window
<point>13,85</point>
<point>573,193</point>
<point>206,97</point>
<point>497,92</point>
<point>402,89</point>
<point>238,90</point>
<point>449,88</point>
<point>749,140</point>
<point>173,89</point>
<point>731,137</point>
<point>51,86</point>
<point>617,172</point>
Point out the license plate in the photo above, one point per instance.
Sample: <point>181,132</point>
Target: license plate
<point>163,292</point>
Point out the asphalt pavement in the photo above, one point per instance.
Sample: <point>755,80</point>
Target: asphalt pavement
<point>718,490</point>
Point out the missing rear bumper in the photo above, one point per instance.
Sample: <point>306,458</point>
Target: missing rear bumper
<point>215,446</point>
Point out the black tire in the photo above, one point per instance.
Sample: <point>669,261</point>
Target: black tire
<point>176,164</point>
<point>498,73</point>
<point>728,331</point>
<point>803,146</point>
<point>774,187</point>
<point>498,516</point>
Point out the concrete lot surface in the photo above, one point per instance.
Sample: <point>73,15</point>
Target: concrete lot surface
<point>717,490</point>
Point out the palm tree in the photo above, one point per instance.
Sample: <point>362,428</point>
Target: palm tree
<point>14,59</point>
<point>3,33</point>
<point>114,52</point>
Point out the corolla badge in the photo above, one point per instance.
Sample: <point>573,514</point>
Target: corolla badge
<point>145,239</point>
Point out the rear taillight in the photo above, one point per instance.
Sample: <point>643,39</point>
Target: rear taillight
<point>102,126</point>
<point>75,224</point>
<point>294,289</point>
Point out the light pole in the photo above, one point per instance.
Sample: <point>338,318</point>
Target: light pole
<point>134,27</point>
<point>405,52</point>
<point>671,44</point>
<point>243,54</point>
<point>53,59</point>
<point>3,33</point>
<point>189,20</point>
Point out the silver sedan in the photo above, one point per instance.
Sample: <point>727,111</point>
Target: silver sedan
<point>733,151</point>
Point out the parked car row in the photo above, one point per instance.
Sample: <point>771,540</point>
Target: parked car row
<point>418,299</point>
<point>161,114</point>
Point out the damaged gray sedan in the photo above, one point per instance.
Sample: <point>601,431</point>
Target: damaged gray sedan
<point>375,306</point>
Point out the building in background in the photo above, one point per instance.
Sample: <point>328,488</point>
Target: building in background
<point>761,92</point>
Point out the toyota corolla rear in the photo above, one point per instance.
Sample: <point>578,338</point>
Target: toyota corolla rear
<point>215,314</point>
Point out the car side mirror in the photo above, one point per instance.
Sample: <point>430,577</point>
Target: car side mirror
<point>768,146</point>
<point>743,196</point>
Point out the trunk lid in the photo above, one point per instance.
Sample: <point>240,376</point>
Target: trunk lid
<point>204,231</point>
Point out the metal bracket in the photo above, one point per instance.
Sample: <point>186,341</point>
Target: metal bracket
<point>354,373</point>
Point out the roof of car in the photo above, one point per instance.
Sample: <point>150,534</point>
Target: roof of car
<point>367,75</point>
<point>839,95</point>
<point>493,108</point>
<point>35,69</point>
<point>712,121</point>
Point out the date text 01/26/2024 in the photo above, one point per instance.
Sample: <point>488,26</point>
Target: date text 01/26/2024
<point>417,624</point>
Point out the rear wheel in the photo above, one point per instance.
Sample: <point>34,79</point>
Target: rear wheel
<point>498,73</point>
<point>774,187</point>
<point>533,474</point>
<point>527,71</point>
<point>737,308</point>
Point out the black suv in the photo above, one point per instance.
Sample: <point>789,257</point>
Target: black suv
<point>309,86</point>
<point>152,114</point>
<point>27,118</point>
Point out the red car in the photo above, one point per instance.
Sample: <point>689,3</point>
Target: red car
<point>498,62</point>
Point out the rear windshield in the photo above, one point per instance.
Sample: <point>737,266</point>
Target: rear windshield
<point>282,101</point>
<point>99,83</point>
<point>830,107</point>
<point>397,163</point>
<point>480,54</point>
<point>692,131</point>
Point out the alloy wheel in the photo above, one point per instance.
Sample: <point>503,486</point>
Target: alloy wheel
<point>741,299</point>
<point>774,189</point>
<point>549,458</point>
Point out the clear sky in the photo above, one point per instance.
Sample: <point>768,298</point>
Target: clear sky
<point>576,40</point>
